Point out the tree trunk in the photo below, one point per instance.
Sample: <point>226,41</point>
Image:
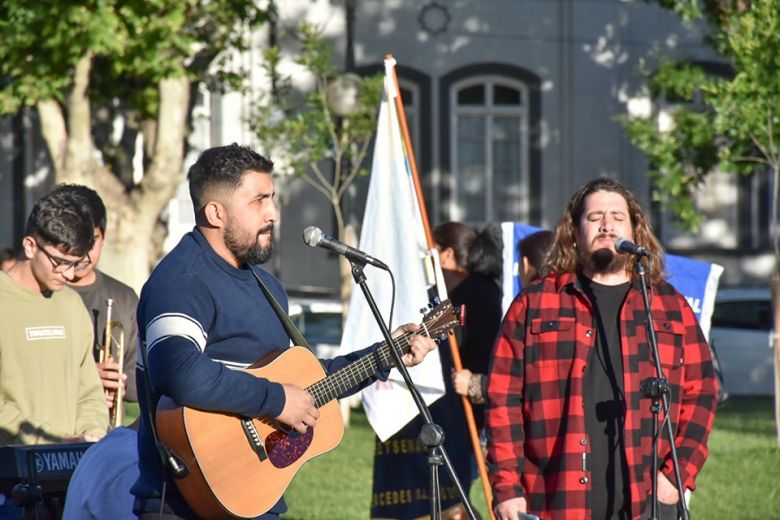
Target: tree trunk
<point>55,134</point>
<point>133,213</point>
<point>80,164</point>
<point>127,248</point>
<point>130,246</point>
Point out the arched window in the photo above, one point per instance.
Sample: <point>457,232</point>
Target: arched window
<point>489,144</point>
<point>489,150</point>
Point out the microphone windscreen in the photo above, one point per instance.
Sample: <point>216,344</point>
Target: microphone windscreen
<point>312,236</point>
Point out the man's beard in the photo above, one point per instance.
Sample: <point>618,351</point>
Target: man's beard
<point>603,261</point>
<point>245,247</point>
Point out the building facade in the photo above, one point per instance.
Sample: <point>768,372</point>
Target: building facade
<point>512,105</point>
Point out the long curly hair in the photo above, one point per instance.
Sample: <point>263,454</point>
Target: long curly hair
<point>563,257</point>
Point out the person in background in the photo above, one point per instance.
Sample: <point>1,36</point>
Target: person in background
<point>7,258</point>
<point>533,249</point>
<point>479,296</point>
<point>202,315</point>
<point>95,288</point>
<point>471,383</point>
<point>50,391</point>
<point>452,241</point>
<point>568,429</point>
<point>99,488</point>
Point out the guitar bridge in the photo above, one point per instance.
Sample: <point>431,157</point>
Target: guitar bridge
<point>254,438</point>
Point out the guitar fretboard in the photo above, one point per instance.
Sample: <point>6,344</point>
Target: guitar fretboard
<point>357,372</point>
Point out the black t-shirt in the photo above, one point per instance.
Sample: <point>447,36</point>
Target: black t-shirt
<point>605,406</point>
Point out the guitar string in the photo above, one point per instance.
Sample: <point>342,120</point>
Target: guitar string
<point>355,373</point>
<point>327,389</point>
<point>322,389</point>
<point>367,365</point>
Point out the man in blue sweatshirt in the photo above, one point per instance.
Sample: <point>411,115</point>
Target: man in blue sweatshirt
<point>202,315</point>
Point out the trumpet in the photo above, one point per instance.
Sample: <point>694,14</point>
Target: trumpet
<point>114,341</point>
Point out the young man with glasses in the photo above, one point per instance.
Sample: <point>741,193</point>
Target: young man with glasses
<point>50,391</point>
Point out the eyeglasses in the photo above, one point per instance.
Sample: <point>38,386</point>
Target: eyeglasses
<point>60,265</point>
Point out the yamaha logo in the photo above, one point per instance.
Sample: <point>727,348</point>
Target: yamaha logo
<point>65,461</point>
<point>38,463</point>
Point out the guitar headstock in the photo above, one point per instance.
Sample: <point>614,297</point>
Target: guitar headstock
<point>440,321</point>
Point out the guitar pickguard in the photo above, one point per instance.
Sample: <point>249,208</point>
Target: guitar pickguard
<point>283,449</point>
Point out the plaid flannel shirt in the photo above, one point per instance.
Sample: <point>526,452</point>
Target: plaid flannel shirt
<point>535,423</point>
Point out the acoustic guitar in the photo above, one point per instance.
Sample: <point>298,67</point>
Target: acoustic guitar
<point>241,466</point>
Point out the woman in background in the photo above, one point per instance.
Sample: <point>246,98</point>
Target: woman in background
<point>472,380</point>
<point>479,295</point>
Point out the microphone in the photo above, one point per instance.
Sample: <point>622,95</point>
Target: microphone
<point>623,245</point>
<point>314,237</point>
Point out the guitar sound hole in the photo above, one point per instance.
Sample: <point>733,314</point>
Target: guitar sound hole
<point>284,449</point>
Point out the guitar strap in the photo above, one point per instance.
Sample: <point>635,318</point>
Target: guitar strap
<point>292,331</point>
<point>170,460</point>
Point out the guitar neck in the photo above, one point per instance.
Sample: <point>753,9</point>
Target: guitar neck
<point>357,372</point>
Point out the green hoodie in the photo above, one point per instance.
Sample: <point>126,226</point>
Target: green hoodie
<point>49,386</point>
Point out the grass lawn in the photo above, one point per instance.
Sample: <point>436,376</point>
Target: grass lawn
<point>740,480</point>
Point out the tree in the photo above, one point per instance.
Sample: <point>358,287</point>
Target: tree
<point>92,67</point>
<point>321,136</point>
<point>730,122</point>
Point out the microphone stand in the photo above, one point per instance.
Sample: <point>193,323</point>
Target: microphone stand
<point>431,434</point>
<point>658,390</point>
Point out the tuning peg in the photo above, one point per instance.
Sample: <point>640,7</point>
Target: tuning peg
<point>442,337</point>
<point>423,310</point>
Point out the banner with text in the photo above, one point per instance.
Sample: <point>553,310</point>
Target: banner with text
<point>696,280</point>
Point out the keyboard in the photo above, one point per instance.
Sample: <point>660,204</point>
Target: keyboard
<point>48,465</point>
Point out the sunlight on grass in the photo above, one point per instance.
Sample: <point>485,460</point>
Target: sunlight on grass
<point>740,480</point>
<point>337,485</point>
<point>741,476</point>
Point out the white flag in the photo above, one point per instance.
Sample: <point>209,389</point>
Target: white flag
<point>392,231</point>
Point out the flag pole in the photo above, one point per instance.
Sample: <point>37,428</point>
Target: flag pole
<point>453,342</point>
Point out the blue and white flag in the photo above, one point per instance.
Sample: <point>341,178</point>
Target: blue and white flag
<point>393,231</point>
<point>696,280</point>
<point>512,233</point>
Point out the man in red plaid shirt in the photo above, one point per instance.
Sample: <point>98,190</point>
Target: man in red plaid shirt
<point>569,433</point>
